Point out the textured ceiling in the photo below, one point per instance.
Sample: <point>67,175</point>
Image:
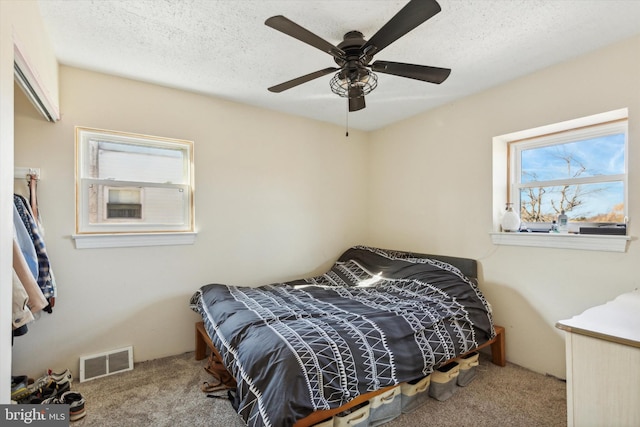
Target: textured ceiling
<point>222,48</point>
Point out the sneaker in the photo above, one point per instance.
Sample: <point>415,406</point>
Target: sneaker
<point>61,377</point>
<point>76,404</point>
<point>20,379</point>
<point>19,393</point>
<point>43,381</point>
<point>45,393</point>
<point>51,401</point>
<point>62,388</point>
<point>24,394</point>
<point>39,396</point>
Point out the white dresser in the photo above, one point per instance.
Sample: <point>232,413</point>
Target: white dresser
<point>603,364</point>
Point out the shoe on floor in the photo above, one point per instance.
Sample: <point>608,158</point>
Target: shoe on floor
<point>20,380</point>
<point>76,404</point>
<point>45,393</point>
<point>19,387</point>
<point>62,377</point>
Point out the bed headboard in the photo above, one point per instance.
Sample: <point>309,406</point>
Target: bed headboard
<point>468,266</point>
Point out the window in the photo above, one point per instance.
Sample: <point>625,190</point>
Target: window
<point>578,172</point>
<point>579,166</point>
<point>128,183</point>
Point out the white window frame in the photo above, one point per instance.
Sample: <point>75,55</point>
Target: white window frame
<point>130,232</point>
<point>598,130</point>
<point>504,191</point>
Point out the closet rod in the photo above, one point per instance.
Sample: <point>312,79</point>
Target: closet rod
<point>19,173</point>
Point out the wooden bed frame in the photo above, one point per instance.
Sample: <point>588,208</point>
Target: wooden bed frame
<point>203,342</point>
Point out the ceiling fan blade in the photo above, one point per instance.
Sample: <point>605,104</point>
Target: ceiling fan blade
<point>302,79</point>
<point>294,30</point>
<point>356,104</point>
<point>413,14</point>
<point>418,72</point>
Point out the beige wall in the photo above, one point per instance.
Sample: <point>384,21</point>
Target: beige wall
<point>277,197</point>
<point>431,191</point>
<point>20,24</point>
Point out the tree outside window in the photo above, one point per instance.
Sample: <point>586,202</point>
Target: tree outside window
<point>580,172</point>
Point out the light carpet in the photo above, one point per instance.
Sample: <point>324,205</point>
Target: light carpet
<point>166,392</point>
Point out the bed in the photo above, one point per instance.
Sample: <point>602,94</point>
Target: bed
<point>303,350</point>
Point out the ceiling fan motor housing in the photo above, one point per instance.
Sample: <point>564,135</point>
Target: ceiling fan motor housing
<point>353,80</point>
<point>351,45</point>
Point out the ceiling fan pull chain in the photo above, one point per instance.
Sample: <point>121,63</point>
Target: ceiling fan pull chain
<point>347,120</point>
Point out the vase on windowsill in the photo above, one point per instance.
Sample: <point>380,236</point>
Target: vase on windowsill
<point>510,220</point>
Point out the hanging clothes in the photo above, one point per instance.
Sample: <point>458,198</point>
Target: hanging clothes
<point>33,198</point>
<point>45,277</point>
<point>27,296</point>
<point>37,300</point>
<point>21,314</point>
<point>25,242</point>
<point>35,213</point>
<point>33,283</point>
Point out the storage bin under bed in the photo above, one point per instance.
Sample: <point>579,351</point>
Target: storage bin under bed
<point>385,407</point>
<point>414,394</point>
<point>357,416</point>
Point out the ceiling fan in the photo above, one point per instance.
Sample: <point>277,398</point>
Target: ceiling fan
<point>355,76</point>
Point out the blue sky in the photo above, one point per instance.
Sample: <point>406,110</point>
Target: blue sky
<point>600,156</point>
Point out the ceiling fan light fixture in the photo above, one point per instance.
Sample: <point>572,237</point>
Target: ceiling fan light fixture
<point>362,82</point>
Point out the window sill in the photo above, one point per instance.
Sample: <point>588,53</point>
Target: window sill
<point>563,241</point>
<point>125,240</point>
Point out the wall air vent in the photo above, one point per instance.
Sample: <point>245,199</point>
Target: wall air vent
<point>107,363</point>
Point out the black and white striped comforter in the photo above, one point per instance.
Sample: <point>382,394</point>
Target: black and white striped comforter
<point>376,319</point>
